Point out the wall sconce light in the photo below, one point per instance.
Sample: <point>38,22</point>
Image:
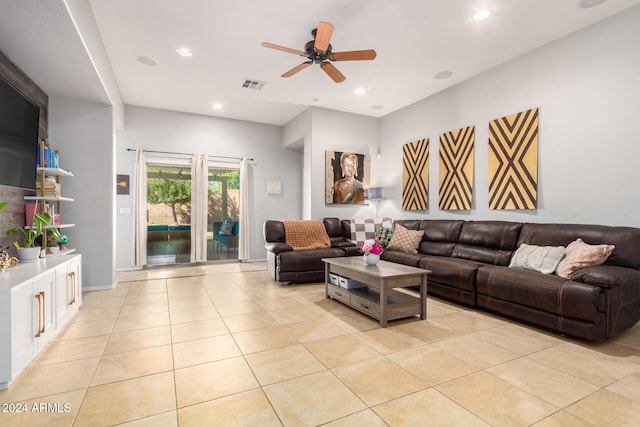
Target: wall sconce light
<point>379,152</point>
<point>375,194</point>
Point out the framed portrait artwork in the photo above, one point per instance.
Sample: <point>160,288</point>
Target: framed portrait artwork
<point>346,178</point>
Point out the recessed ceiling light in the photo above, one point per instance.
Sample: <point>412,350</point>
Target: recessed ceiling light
<point>183,51</point>
<point>377,107</point>
<point>481,15</point>
<point>146,60</point>
<point>589,3</point>
<point>360,91</point>
<point>443,75</point>
<point>217,106</point>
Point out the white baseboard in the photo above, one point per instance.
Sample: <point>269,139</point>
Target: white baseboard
<point>97,288</point>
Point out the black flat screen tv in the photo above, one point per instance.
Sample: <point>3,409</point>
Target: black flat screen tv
<point>19,119</point>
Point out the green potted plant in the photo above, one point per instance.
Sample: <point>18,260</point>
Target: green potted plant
<point>29,252</point>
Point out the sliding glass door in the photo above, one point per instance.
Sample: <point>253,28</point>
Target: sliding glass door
<point>179,193</point>
<point>223,213</point>
<point>168,214</point>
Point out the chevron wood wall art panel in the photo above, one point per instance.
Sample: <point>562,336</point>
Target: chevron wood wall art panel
<point>456,169</point>
<point>415,175</point>
<point>513,161</point>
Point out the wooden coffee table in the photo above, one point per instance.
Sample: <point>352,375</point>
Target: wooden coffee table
<point>377,297</point>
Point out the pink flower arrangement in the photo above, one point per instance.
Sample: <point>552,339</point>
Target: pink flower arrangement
<point>371,246</point>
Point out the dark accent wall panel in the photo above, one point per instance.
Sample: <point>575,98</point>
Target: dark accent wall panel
<point>15,196</point>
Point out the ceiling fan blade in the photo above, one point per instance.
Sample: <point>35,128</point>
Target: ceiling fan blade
<point>353,55</point>
<point>283,49</point>
<point>297,68</point>
<point>333,72</point>
<point>323,36</point>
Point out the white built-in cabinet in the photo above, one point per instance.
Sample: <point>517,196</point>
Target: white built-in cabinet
<point>36,300</point>
<point>68,290</point>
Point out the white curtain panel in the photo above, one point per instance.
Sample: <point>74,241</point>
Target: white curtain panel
<point>243,235</point>
<point>140,210</point>
<point>199,201</point>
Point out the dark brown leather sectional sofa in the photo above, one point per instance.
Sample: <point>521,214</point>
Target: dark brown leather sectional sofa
<point>469,262</point>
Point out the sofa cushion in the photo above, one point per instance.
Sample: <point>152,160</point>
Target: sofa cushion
<point>273,231</point>
<point>401,257</point>
<point>410,224</point>
<point>580,255</point>
<point>405,240</point>
<point>491,242</point>
<point>490,234</point>
<point>455,272</point>
<point>543,259</point>
<point>608,276</point>
<point>441,230</point>
<point>548,292</point>
<point>307,260</point>
<point>440,236</point>
<point>333,227</point>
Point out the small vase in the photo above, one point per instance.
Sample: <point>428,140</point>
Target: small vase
<point>371,259</point>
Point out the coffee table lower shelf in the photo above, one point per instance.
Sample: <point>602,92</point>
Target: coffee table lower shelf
<point>367,301</point>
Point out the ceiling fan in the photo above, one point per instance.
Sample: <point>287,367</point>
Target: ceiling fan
<point>319,51</point>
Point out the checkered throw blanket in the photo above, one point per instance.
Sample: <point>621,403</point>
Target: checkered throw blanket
<point>306,234</point>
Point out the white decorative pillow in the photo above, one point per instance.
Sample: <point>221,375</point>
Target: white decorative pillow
<point>580,255</point>
<point>405,240</point>
<point>543,259</point>
<point>365,228</point>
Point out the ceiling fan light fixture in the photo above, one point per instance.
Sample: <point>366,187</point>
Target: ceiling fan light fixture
<point>481,15</point>
<point>319,51</point>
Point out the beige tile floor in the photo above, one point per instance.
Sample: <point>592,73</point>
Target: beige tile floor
<point>224,345</point>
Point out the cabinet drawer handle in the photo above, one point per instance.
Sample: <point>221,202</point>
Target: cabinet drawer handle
<point>42,317</point>
<point>339,294</point>
<point>72,279</point>
<point>37,296</point>
<point>364,305</point>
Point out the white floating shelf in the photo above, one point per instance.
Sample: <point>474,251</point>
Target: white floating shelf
<point>55,171</point>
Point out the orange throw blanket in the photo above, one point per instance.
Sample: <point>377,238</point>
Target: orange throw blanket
<point>306,234</point>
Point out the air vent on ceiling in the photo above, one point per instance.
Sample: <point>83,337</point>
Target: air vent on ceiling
<point>253,84</point>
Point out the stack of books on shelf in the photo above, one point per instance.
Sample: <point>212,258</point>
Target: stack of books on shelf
<point>46,156</point>
<point>51,187</point>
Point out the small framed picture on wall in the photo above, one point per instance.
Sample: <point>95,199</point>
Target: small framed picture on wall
<point>274,187</point>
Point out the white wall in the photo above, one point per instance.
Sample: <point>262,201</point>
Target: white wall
<point>297,134</point>
<point>83,133</point>
<point>327,130</point>
<point>162,130</point>
<point>586,87</point>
